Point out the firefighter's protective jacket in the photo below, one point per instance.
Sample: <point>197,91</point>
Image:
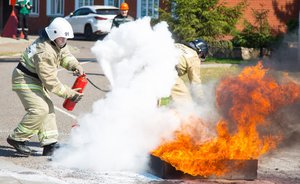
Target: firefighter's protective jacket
<point>189,64</point>
<point>43,58</point>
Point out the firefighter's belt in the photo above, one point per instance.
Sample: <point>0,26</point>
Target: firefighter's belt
<point>26,71</point>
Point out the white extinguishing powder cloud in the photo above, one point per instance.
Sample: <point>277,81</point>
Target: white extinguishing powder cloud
<point>123,128</point>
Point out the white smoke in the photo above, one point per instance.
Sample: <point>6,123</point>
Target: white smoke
<point>126,125</point>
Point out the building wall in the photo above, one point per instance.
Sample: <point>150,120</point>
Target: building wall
<point>1,16</point>
<point>36,23</point>
<point>132,7</point>
<point>5,12</point>
<point>280,11</point>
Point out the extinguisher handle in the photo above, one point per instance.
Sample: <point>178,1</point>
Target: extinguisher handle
<point>79,90</point>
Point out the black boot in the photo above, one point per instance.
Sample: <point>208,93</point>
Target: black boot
<point>18,35</point>
<point>49,149</point>
<point>19,146</point>
<point>26,34</point>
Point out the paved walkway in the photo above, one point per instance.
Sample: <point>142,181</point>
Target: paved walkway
<point>14,174</point>
<point>10,47</point>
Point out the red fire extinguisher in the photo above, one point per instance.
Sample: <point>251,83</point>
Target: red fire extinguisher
<point>80,82</point>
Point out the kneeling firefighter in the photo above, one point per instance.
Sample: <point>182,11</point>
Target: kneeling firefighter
<point>36,76</point>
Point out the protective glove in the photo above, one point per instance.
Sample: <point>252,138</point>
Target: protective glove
<point>77,96</point>
<point>78,70</point>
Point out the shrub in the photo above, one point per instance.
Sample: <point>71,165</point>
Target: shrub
<point>256,35</point>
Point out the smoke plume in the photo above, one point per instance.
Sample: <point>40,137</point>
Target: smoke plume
<point>123,128</point>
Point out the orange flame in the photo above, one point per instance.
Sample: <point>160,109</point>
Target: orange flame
<point>244,101</point>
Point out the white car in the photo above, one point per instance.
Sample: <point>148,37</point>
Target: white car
<point>92,20</point>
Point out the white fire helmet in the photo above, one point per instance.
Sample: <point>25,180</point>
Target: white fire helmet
<point>59,27</point>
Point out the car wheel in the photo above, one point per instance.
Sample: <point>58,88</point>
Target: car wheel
<point>88,32</point>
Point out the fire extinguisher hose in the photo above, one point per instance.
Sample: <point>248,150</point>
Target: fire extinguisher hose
<point>97,86</point>
<point>93,84</point>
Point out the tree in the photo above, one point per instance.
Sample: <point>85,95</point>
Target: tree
<point>207,19</point>
<point>256,35</point>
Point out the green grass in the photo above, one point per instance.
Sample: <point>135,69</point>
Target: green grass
<point>216,73</point>
<point>208,74</point>
<point>223,61</point>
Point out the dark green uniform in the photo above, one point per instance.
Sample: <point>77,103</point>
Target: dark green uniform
<point>119,19</point>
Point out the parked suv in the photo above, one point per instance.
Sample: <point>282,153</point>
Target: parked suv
<point>92,20</point>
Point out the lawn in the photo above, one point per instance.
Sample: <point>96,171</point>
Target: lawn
<point>214,73</point>
<point>210,71</point>
<point>223,60</point>
<point>216,68</point>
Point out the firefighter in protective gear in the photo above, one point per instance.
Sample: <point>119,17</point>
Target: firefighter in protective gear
<point>189,64</point>
<point>36,76</point>
<point>123,16</point>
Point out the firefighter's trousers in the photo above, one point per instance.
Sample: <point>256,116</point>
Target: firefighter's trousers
<point>40,117</point>
<point>180,95</point>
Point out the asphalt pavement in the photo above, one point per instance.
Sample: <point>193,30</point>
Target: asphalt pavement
<point>281,167</point>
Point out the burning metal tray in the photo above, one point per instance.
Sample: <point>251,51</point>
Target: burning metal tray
<point>246,170</point>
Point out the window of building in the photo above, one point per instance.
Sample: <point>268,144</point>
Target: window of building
<point>148,8</point>
<point>55,7</point>
<point>115,3</point>
<point>35,7</point>
<point>79,3</point>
